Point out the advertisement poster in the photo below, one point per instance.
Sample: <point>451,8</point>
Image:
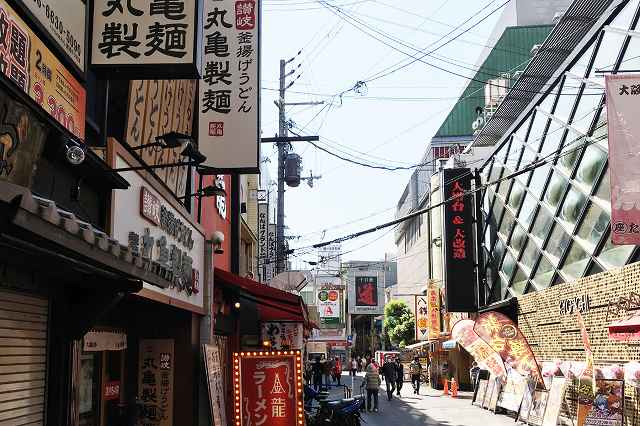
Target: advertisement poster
<point>229,131</point>
<point>538,407</point>
<point>527,401</point>
<point>283,336</point>
<point>433,309</point>
<point>215,382</point>
<point>497,388</point>
<point>491,386</point>
<point>366,291</point>
<point>624,141</point>
<point>608,404</point>
<point>482,391</point>
<point>269,391</point>
<point>422,318</point>
<point>554,402</point>
<point>482,353</point>
<point>513,391</point>
<point>506,339</point>
<point>329,306</point>
<point>28,63</point>
<point>155,382</point>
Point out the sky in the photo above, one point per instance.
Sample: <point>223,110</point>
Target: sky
<point>389,121</point>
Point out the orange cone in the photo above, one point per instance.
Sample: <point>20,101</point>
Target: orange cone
<point>454,388</point>
<point>446,387</point>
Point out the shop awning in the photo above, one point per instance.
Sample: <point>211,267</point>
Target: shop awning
<point>32,227</point>
<point>625,330</point>
<point>417,345</point>
<point>272,304</point>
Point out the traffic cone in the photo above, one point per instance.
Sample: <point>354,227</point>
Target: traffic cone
<point>454,388</point>
<point>446,387</point>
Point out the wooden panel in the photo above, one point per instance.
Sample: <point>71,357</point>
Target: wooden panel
<point>21,412</point>
<point>8,387</point>
<point>23,359</point>
<point>19,298</point>
<point>31,420</point>
<point>22,316</point>
<point>152,120</point>
<point>29,393</point>
<point>20,307</point>
<point>22,377</point>
<point>26,334</point>
<point>22,368</point>
<point>25,350</point>
<point>6,341</point>
<point>23,325</point>
<point>136,110</point>
<point>21,403</point>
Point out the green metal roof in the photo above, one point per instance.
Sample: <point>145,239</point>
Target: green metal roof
<point>511,53</point>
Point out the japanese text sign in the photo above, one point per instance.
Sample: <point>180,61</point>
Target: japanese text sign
<point>329,306</point>
<point>111,390</point>
<point>433,309</point>
<point>458,244</point>
<point>229,131</point>
<point>28,63</point>
<point>133,37</point>
<point>268,388</point>
<point>422,318</point>
<point>263,222</point>
<point>624,144</point>
<point>64,21</point>
<point>506,339</point>
<point>283,335</point>
<point>486,357</point>
<point>155,382</point>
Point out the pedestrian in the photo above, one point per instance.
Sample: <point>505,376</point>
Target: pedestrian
<point>354,367</point>
<point>337,371</point>
<point>390,377</point>
<point>359,364</point>
<point>399,376</point>
<point>326,372</point>
<point>317,374</point>
<point>372,381</point>
<point>474,371</point>
<point>415,369</point>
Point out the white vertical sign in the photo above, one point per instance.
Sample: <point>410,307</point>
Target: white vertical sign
<point>229,132</point>
<point>263,221</point>
<point>271,252</point>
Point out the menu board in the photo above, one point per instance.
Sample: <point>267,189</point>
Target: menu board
<point>493,402</point>
<point>482,390</point>
<point>155,382</point>
<point>215,384</point>
<point>527,400</point>
<point>489,394</point>
<point>538,406</point>
<point>513,391</point>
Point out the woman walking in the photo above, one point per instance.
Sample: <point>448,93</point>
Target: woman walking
<point>372,380</point>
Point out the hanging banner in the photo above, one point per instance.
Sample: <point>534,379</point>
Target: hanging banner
<point>215,382</point>
<point>282,336</point>
<point>483,354</point>
<point>272,248</point>
<point>64,22</point>
<point>269,388</point>
<point>433,309</point>
<point>624,143</point>
<point>422,318</point>
<point>229,100</point>
<point>458,244</point>
<point>155,382</point>
<point>28,63</point>
<point>146,39</point>
<point>329,306</point>
<point>263,223</point>
<point>589,373</point>
<point>508,341</point>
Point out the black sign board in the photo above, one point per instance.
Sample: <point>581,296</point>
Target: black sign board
<point>460,293</point>
<point>366,291</point>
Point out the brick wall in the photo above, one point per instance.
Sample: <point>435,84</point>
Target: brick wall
<point>554,336</point>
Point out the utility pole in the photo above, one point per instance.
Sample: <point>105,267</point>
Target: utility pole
<point>283,143</point>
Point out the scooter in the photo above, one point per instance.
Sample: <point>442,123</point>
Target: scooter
<point>340,412</point>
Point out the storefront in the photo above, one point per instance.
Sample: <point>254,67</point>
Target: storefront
<point>149,376</point>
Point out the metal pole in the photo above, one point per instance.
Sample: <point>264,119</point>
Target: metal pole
<point>282,152</point>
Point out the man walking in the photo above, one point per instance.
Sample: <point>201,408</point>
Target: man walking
<point>399,376</point>
<point>372,381</point>
<point>337,371</point>
<point>354,366</point>
<point>390,376</point>
<point>415,369</point>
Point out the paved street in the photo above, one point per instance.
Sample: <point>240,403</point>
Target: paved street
<point>428,409</point>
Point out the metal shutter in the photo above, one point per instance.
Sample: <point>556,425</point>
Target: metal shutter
<point>23,350</point>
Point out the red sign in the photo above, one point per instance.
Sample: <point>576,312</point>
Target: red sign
<point>268,388</point>
<point>111,390</point>
<point>245,15</point>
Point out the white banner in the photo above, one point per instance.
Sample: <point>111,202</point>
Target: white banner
<point>271,252</point>
<point>229,131</point>
<point>98,341</point>
<point>422,318</point>
<point>64,21</point>
<point>263,222</point>
<point>623,99</point>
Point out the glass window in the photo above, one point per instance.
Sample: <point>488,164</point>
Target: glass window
<point>566,99</point>
<point>553,139</point>
<point>591,165</point>
<point>547,102</point>
<point>572,206</point>
<point>503,189</point>
<point>593,269</point>
<point>521,133</point>
<point>498,207</point>
<point>614,256</point>
<point>496,171</point>
<point>508,265</point>
<point>608,51</point>
<point>519,283</point>
<point>543,223</point>
<point>558,242</point>
<point>544,274</point>
<point>528,156</point>
<point>589,103</point>
<point>623,20</point>
<point>530,254</point>
<point>486,200</point>
<point>604,189</point>
<point>631,59</point>
<point>528,210</point>
<point>516,195</point>
<point>570,153</point>
<point>535,135</point>
<point>536,186</point>
<point>576,262</point>
<point>507,223</point>
<point>555,190</point>
<point>498,250</point>
<point>518,238</point>
<point>593,225</point>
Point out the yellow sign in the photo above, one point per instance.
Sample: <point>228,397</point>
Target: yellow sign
<point>433,300</point>
<point>29,64</point>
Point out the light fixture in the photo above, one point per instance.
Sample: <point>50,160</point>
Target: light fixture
<point>266,344</point>
<point>192,153</point>
<point>74,153</point>
<point>207,191</point>
<point>236,305</point>
<point>169,140</point>
<point>217,239</point>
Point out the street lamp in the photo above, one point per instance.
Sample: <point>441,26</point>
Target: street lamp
<point>207,191</point>
<point>169,140</point>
